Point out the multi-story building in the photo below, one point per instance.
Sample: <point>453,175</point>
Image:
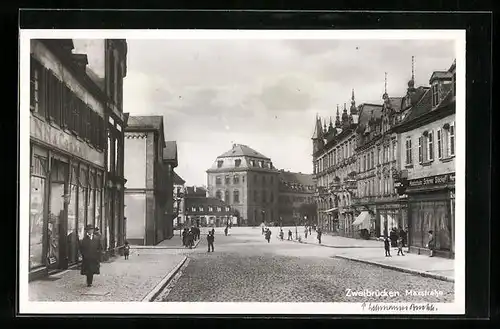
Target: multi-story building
<point>378,205</point>
<point>334,163</point>
<point>169,163</point>
<point>179,201</point>
<point>202,210</point>
<point>248,182</point>
<point>75,169</point>
<point>296,196</point>
<point>427,170</point>
<point>147,187</point>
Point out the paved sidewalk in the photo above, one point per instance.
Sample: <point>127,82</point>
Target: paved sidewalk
<point>120,280</point>
<point>436,267</point>
<point>173,243</point>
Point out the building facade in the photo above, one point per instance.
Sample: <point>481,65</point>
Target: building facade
<point>296,198</point>
<point>69,152</point>
<point>208,212</point>
<point>146,190</point>
<point>248,182</point>
<point>170,162</point>
<point>179,201</point>
<point>334,163</point>
<point>426,178</point>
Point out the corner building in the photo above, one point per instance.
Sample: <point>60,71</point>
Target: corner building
<point>246,181</point>
<point>76,157</point>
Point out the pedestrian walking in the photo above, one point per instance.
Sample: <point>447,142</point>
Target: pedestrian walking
<point>432,243</point>
<point>282,235</point>
<point>394,237</point>
<point>305,232</point>
<point>387,246</point>
<point>210,240</point>
<point>289,235</point>
<point>400,246</point>
<point>310,230</point>
<point>402,235</point>
<point>319,235</point>
<point>268,235</point>
<point>225,231</point>
<point>126,250</point>
<point>90,249</point>
<point>213,231</point>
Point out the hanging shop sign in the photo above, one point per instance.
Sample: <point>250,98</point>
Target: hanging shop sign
<point>432,180</point>
<point>50,135</point>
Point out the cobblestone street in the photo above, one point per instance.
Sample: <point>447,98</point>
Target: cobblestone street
<point>245,268</point>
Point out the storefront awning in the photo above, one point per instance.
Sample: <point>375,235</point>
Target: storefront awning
<point>330,210</point>
<point>363,220</point>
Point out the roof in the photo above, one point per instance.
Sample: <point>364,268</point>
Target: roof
<point>440,75</point>
<point>149,121</point>
<point>425,104</point>
<point>242,150</point>
<point>170,151</point>
<point>296,178</point>
<point>205,201</point>
<point>365,113</point>
<point>395,103</point>
<point>178,180</point>
<point>190,191</point>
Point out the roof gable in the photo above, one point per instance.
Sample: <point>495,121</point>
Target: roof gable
<point>147,122</point>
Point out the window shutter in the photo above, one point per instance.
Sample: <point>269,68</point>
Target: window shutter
<point>420,154</point>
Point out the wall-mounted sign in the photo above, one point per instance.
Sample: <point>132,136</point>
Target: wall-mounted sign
<point>432,180</point>
<point>48,134</point>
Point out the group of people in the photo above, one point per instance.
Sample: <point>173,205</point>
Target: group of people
<point>395,239</point>
<point>190,236</point>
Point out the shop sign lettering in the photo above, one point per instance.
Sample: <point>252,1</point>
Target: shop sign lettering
<point>59,139</point>
<point>433,180</point>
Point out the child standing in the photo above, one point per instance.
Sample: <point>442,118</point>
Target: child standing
<point>126,250</point>
<point>387,246</point>
<point>400,246</point>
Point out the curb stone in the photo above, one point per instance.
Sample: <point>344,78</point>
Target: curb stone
<point>164,247</point>
<point>153,294</point>
<point>398,268</point>
<point>330,246</point>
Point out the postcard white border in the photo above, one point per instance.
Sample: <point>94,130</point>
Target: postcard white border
<point>28,307</point>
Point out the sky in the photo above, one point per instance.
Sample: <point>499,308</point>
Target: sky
<point>264,93</point>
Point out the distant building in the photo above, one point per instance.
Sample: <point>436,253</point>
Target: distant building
<point>179,201</point>
<point>334,163</point>
<point>248,182</point>
<point>296,190</point>
<point>426,179</point>
<point>206,211</point>
<point>146,170</point>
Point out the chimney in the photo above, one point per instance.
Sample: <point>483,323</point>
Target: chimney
<point>80,60</point>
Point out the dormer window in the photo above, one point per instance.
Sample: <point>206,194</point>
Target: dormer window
<point>237,163</point>
<point>435,95</point>
<point>219,163</point>
<point>262,164</point>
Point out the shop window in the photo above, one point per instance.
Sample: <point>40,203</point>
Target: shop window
<point>37,207</point>
<point>82,201</point>
<point>91,199</point>
<point>72,233</point>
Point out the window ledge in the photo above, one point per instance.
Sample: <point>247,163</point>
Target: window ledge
<point>447,159</point>
<point>409,166</point>
<point>426,163</point>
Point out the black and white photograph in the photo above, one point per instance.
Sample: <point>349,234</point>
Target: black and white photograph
<point>238,172</point>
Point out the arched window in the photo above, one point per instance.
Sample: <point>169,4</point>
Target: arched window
<point>226,196</point>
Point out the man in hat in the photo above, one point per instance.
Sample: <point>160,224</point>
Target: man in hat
<point>90,248</point>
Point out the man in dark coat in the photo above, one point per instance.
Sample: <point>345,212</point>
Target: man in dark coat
<point>90,248</point>
<point>210,241</point>
<point>184,237</point>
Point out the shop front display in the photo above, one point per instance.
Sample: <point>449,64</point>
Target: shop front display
<point>37,211</point>
<point>57,216</point>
